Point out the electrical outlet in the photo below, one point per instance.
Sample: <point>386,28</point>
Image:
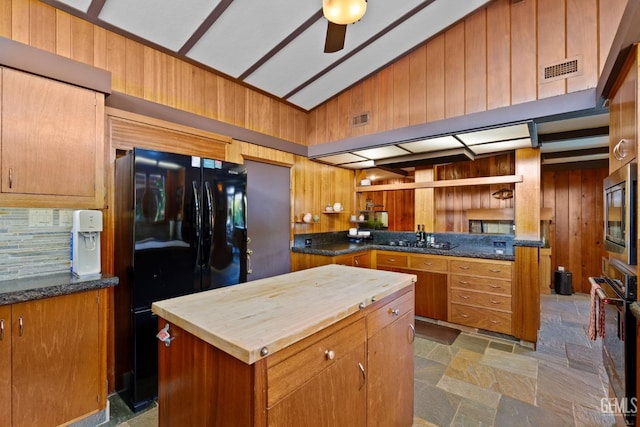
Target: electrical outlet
<point>307,242</point>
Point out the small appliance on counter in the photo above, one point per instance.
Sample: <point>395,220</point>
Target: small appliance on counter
<point>85,243</point>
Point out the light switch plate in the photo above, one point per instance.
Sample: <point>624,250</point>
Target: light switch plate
<point>40,217</point>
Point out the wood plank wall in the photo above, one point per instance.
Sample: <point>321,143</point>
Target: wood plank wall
<point>149,74</point>
<point>489,60</point>
<point>452,203</point>
<point>576,229</point>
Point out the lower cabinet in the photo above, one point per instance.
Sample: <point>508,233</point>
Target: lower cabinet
<point>56,373</point>
<point>357,372</point>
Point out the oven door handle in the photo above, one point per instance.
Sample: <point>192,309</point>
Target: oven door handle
<point>605,299</point>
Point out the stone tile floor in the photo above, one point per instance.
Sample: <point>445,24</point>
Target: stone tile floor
<point>488,380</point>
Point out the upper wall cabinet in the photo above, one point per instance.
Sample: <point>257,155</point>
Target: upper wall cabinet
<point>623,114</point>
<point>52,143</point>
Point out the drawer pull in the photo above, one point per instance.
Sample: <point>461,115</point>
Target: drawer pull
<point>495,286</point>
<point>356,262</point>
<point>495,322</point>
<point>21,326</point>
<point>493,270</point>
<point>428,263</point>
<point>364,374</point>
<point>1,329</point>
<point>10,177</point>
<point>392,260</point>
<point>464,315</point>
<point>463,267</point>
<point>412,333</point>
<point>463,282</point>
<point>464,296</point>
<point>494,301</point>
<point>330,354</point>
<point>394,311</point>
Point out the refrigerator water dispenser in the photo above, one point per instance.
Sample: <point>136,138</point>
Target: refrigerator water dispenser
<point>85,242</point>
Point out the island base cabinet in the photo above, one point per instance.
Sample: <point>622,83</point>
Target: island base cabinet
<point>324,380</point>
<point>200,385</point>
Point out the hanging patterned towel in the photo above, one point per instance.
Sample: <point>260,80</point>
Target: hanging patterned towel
<point>596,319</point>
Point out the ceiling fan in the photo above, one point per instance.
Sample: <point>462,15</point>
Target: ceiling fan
<point>339,14</point>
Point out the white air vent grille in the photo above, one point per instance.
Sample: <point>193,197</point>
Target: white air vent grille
<point>360,120</point>
<point>569,67</point>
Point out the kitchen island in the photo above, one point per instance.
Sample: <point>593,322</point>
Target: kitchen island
<point>327,346</point>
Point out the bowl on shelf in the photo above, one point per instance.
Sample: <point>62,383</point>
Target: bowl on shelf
<point>307,218</point>
<point>337,207</point>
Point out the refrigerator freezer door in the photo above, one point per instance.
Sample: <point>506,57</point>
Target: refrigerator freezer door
<point>225,224</point>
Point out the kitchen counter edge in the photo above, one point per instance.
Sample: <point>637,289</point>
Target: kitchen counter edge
<point>34,288</point>
<point>347,248</point>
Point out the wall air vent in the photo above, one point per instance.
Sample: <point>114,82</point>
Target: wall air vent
<point>360,120</point>
<point>566,68</point>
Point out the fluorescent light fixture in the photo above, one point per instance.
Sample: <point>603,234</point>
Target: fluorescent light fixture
<point>495,134</point>
<point>359,165</point>
<point>431,158</point>
<point>496,147</point>
<point>381,152</point>
<point>432,144</point>
<point>585,158</point>
<point>341,158</point>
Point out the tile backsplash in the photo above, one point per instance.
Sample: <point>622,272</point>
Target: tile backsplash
<point>34,242</point>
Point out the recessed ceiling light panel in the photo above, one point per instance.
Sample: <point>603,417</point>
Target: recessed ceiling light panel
<point>496,147</point>
<point>495,134</point>
<point>381,152</point>
<point>337,159</point>
<point>431,144</point>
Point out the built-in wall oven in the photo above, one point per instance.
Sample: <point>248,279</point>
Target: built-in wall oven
<point>618,290</point>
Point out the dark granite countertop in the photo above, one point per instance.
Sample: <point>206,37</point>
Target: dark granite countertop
<point>33,288</point>
<point>341,248</point>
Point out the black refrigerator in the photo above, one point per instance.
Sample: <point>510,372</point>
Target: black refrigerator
<point>181,227</point>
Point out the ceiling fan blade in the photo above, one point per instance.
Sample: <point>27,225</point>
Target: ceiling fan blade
<point>335,37</point>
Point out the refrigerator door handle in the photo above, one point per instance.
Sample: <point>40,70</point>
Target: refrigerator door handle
<point>197,213</point>
<point>209,226</point>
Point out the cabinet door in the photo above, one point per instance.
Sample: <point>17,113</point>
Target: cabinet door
<point>336,397</point>
<point>5,368</point>
<point>390,374</point>
<point>431,294</point>
<point>49,137</point>
<point>56,359</point>
<point>362,260</point>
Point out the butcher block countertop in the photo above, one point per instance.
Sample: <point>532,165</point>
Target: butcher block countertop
<point>255,319</point>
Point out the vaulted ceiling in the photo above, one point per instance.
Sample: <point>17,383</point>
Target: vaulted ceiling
<point>276,46</point>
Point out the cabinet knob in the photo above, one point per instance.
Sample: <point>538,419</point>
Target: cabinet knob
<point>330,354</point>
<point>394,311</point>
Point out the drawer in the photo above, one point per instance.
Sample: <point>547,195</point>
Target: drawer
<point>484,284</point>
<point>496,321</point>
<point>388,313</point>
<point>391,260</point>
<point>481,299</point>
<point>485,269</point>
<point>294,371</point>
<point>417,262</point>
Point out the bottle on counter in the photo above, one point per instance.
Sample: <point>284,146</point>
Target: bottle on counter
<point>418,234</point>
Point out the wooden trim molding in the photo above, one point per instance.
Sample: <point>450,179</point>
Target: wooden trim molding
<point>36,61</point>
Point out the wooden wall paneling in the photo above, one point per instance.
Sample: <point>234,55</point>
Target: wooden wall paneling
<point>371,104</point>
<point>240,106</point>
<point>63,34</point>
<point>592,212</point>
<point>475,62</point>
<point>385,104</point>
<point>5,18</point>
<point>424,211</point>
<point>357,107</point>
<point>344,115</point>
<point>582,39</point>
<point>527,194</point>
<point>42,28</point>
<point>435,79</point>
<point>576,226</point>
<point>454,71</point>
<point>100,48</point>
<point>549,201</point>
<point>116,58</point>
<point>418,83</point>
<point>401,92</point>
<point>82,40</point>
<point>498,54</point>
<point>20,21</point>
<point>333,119</point>
<point>524,69</point>
<point>551,43</point>
<point>562,218</point>
<point>609,15</point>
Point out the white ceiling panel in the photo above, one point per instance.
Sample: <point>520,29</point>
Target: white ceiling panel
<point>496,147</point>
<point>495,134</point>
<point>82,5</point>
<point>247,31</point>
<point>168,23</point>
<point>421,26</point>
<point>432,144</point>
<point>337,159</point>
